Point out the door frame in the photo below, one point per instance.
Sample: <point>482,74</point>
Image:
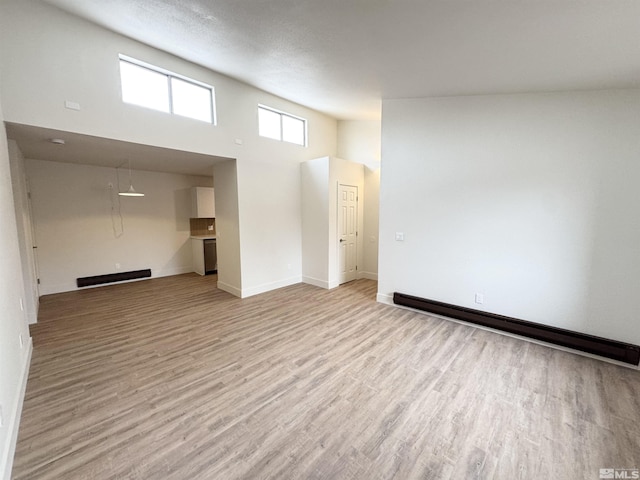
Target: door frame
<point>358,224</point>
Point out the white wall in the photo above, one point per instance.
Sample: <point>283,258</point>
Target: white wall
<point>14,358</point>
<point>49,56</point>
<point>225,183</point>
<point>270,233</point>
<point>320,180</point>
<point>79,230</point>
<point>360,141</point>
<point>371,223</point>
<point>315,222</point>
<point>25,232</point>
<point>531,200</point>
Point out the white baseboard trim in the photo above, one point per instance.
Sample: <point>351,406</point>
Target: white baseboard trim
<point>368,275</point>
<point>225,287</point>
<point>386,299</point>
<point>327,285</point>
<point>315,282</point>
<point>267,287</point>
<point>13,420</point>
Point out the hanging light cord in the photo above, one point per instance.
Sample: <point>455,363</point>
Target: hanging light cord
<point>116,210</point>
<point>130,182</point>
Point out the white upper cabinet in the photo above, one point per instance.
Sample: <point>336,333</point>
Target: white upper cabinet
<point>203,203</point>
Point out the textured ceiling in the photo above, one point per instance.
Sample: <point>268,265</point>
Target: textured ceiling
<point>342,57</point>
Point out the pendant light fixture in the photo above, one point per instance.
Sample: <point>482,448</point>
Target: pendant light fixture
<point>132,191</point>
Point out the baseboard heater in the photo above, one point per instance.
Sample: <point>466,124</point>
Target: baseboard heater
<point>623,352</point>
<point>112,277</point>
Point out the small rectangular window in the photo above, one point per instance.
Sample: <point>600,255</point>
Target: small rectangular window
<point>269,124</point>
<point>281,126</point>
<point>144,87</point>
<point>153,87</point>
<point>190,100</point>
<point>292,130</point>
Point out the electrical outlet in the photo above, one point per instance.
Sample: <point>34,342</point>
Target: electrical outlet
<point>117,266</point>
<point>210,228</point>
<point>399,237</point>
<point>479,298</point>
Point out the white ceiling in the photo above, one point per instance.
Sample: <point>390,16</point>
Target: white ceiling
<point>35,143</point>
<point>342,57</point>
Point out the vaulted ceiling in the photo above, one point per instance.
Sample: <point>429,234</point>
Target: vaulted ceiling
<point>342,57</point>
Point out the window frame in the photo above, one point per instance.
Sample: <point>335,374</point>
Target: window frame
<point>305,133</point>
<point>169,75</point>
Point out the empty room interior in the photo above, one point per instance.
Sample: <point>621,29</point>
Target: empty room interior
<point>303,239</point>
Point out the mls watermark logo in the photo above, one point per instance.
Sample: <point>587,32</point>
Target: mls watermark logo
<point>624,473</point>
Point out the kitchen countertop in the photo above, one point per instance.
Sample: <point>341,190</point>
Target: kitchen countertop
<point>204,237</point>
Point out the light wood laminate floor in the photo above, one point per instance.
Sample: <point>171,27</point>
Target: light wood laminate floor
<point>171,378</point>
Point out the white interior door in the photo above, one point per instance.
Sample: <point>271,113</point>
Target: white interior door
<point>347,232</point>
